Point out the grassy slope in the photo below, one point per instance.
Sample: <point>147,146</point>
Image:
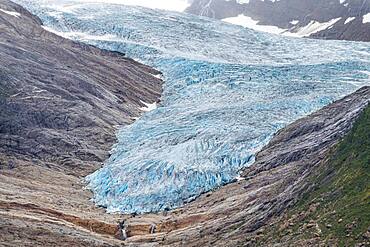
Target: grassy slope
<point>337,212</point>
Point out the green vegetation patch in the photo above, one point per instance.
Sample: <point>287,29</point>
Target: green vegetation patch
<point>337,211</point>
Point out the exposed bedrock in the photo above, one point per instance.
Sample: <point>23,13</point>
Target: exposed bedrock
<point>349,18</point>
<point>60,100</point>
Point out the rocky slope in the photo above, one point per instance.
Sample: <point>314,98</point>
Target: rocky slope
<point>338,208</point>
<point>60,103</point>
<point>326,19</point>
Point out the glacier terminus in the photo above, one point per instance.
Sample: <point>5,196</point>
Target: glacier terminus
<point>227,91</point>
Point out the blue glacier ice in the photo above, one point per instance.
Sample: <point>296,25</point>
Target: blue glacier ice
<point>227,91</point>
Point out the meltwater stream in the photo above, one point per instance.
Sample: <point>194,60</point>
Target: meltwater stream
<point>227,91</point>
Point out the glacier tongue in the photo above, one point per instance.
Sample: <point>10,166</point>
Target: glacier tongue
<point>227,91</point>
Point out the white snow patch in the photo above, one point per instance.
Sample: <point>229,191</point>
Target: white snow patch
<point>159,76</point>
<point>349,19</point>
<point>12,13</point>
<point>313,27</point>
<point>239,178</point>
<point>248,22</point>
<point>294,22</point>
<point>148,107</point>
<point>366,18</point>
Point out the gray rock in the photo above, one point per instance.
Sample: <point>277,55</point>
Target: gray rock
<point>60,100</point>
<point>282,13</point>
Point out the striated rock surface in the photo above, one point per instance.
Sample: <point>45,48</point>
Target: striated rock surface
<point>336,211</point>
<point>60,103</point>
<point>55,93</point>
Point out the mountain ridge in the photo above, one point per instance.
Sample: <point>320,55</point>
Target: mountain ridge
<point>328,19</point>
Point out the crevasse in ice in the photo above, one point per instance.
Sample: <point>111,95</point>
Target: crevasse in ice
<point>227,91</point>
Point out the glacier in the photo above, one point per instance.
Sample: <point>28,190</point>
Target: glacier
<point>227,91</point>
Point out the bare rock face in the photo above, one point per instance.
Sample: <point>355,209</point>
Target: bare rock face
<point>60,100</point>
<point>60,104</point>
<point>294,15</point>
<point>237,214</point>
